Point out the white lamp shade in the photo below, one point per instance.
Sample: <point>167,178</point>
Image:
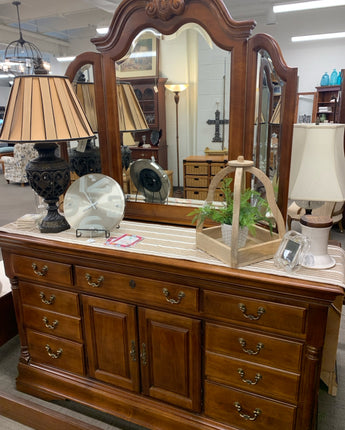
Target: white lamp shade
<point>317,163</point>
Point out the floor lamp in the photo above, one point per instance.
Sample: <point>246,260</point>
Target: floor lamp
<point>44,109</point>
<point>177,89</point>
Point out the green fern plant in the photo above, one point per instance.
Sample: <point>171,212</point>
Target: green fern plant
<point>249,214</point>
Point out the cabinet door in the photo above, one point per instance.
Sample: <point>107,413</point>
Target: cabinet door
<point>170,358</point>
<point>111,342</point>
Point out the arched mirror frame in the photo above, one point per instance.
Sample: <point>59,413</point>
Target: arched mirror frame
<point>288,75</point>
<point>129,19</point>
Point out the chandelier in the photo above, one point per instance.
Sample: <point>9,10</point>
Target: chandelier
<point>20,53</point>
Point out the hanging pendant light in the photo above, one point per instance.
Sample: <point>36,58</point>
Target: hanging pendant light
<point>21,52</point>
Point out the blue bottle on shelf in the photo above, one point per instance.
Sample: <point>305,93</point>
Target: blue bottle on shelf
<point>325,80</point>
<point>339,79</point>
<point>334,77</point>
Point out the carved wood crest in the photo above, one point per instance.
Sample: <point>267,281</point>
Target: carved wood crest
<point>165,9</point>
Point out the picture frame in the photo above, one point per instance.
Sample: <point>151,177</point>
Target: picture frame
<point>142,60</point>
<point>292,251</point>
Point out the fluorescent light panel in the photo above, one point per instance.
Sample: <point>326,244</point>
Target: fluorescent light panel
<point>65,59</point>
<point>316,4</point>
<point>318,37</point>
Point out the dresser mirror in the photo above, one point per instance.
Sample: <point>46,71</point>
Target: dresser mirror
<point>209,34</point>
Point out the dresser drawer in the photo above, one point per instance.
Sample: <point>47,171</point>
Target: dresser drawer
<point>217,167</point>
<point>49,298</point>
<point>56,352</point>
<point>196,181</point>
<point>40,270</point>
<point>252,377</point>
<point>52,323</point>
<point>227,405</point>
<point>194,193</point>
<point>196,168</point>
<point>258,313</point>
<point>254,347</point>
<point>141,290</point>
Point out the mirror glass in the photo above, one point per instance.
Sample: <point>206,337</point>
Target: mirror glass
<point>195,126</point>
<point>305,104</point>
<point>84,155</point>
<point>269,92</point>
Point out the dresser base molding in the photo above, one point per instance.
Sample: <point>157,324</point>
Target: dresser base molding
<point>129,407</point>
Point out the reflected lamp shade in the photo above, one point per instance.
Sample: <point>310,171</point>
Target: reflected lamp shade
<point>317,163</point>
<point>131,116</point>
<point>86,95</point>
<point>44,109</point>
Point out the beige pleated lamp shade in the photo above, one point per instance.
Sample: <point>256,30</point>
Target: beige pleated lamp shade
<point>317,163</point>
<point>86,95</point>
<point>131,116</point>
<point>44,108</point>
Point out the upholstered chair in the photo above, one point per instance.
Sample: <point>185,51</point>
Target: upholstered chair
<point>14,167</point>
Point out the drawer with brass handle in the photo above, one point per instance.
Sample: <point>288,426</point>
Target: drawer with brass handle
<point>136,289</point>
<point>252,377</point>
<point>40,270</point>
<point>254,347</point>
<point>258,313</point>
<point>55,351</point>
<point>246,411</point>
<point>49,299</point>
<point>52,323</point>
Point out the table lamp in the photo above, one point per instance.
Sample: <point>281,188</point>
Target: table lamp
<point>44,109</point>
<point>317,175</point>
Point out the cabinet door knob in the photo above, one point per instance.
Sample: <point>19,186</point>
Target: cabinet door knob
<point>251,317</point>
<point>143,354</point>
<point>243,343</point>
<point>180,296</point>
<point>133,352</point>
<point>245,416</point>
<point>37,272</point>
<point>96,284</point>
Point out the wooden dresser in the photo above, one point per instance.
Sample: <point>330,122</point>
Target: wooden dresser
<point>165,342</point>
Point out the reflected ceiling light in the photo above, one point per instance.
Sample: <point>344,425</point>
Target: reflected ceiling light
<point>316,4</point>
<point>102,30</point>
<point>318,37</point>
<point>65,59</point>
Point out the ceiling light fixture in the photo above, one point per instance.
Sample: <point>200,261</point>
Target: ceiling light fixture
<point>316,4</point>
<point>21,51</point>
<point>312,37</point>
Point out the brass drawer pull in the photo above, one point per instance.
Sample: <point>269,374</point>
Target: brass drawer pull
<point>38,272</point>
<point>51,326</point>
<point>251,317</point>
<point>96,284</point>
<point>180,296</point>
<point>143,354</point>
<point>247,417</point>
<point>248,381</point>
<point>49,301</point>
<point>52,354</point>
<point>133,352</point>
<point>243,343</point>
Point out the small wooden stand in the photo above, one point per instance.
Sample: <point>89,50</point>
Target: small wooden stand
<point>259,247</point>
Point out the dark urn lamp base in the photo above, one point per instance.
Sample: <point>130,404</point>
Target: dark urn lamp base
<point>49,176</point>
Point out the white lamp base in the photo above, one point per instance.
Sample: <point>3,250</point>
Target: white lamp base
<point>317,229</point>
